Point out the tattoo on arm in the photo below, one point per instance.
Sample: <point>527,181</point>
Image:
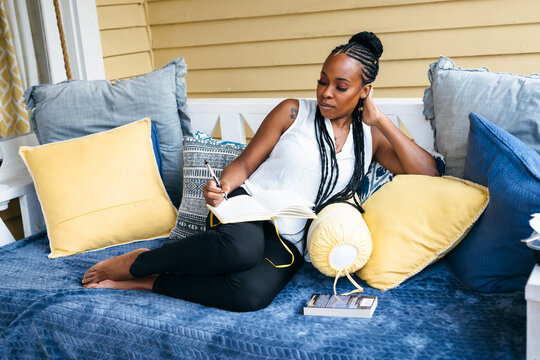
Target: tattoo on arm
<point>294,112</point>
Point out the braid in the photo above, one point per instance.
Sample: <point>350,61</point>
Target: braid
<point>328,184</point>
<point>324,141</point>
<point>366,48</point>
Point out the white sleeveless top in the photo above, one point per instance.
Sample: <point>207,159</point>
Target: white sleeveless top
<point>295,164</point>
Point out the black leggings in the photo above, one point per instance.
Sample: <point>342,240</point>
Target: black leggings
<point>223,267</point>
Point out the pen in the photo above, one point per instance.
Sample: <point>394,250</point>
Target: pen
<point>214,176</point>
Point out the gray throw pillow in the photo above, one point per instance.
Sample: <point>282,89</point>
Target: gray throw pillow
<point>510,101</point>
<point>193,211</point>
<point>78,108</point>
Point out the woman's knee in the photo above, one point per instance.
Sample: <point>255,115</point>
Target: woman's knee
<point>251,301</point>
<point>250,293</point>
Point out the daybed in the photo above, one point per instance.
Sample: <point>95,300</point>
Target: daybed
<point>46,313</point>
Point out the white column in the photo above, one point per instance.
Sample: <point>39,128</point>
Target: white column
<point>81,30</point>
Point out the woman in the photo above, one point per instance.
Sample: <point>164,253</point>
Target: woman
<point>320,150</point>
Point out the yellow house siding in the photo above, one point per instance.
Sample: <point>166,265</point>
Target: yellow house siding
<point>170,12</point>
<point>243,48</point>
<point>125,38</point>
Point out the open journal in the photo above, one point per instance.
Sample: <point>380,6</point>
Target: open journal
<point>263,206</point>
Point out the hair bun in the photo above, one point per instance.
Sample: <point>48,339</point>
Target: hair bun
<point>370,41</point>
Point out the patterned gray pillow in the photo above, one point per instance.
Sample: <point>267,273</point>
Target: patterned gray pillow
<point>376,177</point>
<point>193,211</point>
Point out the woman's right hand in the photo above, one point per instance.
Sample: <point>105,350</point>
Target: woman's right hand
<point>213,194</point>
<point>371,114</point>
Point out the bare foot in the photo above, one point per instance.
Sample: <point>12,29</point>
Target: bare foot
<point>116,268</point>
<point>144,283</point>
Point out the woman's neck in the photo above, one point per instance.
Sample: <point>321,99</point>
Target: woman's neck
<point>341,123</point>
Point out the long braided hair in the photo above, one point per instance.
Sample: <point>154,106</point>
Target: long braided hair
<point>366,48</point>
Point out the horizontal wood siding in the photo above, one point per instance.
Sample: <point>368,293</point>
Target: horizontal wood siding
<point>125,38</point>
<point>241,48</point>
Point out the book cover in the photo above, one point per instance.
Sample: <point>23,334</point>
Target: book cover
<point>341,305</point>
<point>263,206</point>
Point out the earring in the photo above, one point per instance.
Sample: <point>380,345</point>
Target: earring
<point>361,108</point>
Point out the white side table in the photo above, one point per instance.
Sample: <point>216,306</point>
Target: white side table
<point>21,188</point>
<point>14,174</point>
<point>532,295</point>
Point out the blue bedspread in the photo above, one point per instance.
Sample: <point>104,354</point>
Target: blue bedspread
<point>46,313</point>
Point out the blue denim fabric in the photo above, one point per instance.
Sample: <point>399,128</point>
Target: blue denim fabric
<point>77,108</point>
<point>492,258</point>
<point>45,313</point>
<point>510,101</point>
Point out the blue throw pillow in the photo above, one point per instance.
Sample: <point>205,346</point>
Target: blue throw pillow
<point>492,258</point>
<point>155,146</point>
<point>78,108</point>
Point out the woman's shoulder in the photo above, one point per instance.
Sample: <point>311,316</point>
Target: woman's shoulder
<point>289,108</point>
<point>290,102</point>
<point>292,112</point>
<point>306,108</point>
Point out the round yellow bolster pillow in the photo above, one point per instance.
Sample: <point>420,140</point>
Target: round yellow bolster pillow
<point>339,241</point>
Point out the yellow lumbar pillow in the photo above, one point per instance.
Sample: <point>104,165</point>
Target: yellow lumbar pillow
<point>339,242</point>
<point>100,190</point>
<point>415,220</point>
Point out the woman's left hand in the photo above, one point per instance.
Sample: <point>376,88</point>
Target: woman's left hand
<point>371,114</point>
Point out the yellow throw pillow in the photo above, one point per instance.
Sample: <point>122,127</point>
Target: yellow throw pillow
<point>415,220</point>
<point>100,190</point>
<point>339,242</point>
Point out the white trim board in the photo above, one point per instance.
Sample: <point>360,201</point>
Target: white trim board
<point>231,113</point>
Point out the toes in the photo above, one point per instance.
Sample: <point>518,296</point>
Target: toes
<point>96,266</point>
<point>93,268</point>
<point>97,284</point>
<point>105,284</point>
<point>89,275</point>
<point>88,278</point>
